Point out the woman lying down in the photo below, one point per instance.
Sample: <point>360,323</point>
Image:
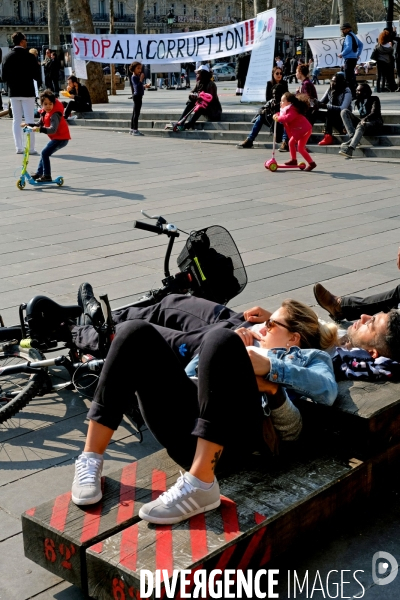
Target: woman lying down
<point>222,411</point>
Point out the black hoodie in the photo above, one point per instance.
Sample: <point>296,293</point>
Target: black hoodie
<point>20,68</point>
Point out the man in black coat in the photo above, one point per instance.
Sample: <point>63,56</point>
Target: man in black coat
<point>81,101</point>
<point>20,68</point>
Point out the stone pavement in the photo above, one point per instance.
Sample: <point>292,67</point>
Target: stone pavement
<point>339,224</point>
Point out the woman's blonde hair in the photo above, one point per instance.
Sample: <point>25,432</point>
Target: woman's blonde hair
<point>34,51</point>
<point>301,319</point>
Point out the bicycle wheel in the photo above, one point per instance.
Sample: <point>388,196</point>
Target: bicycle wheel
<point>18,389</point>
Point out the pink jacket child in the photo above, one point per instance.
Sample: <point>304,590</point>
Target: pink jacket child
<point>298,128</point>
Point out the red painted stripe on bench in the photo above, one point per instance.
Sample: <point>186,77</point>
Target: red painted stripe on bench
<point>127,493</point>
<point>246,25</point>
<point>60,510</point>
<point>164,554</point>
<point>266,556</point>
<point>30,512</point>
<point>198,536</point>
<point>229,518</point>
<point>128,547</point>
<point>91,521</point>
<point>97,547</point>
<point>253,544</point>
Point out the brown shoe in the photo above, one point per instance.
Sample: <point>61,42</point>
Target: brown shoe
<point>311,166</point>
<point>328,301</point>
<point>291,163</point>
<point>246,144</point>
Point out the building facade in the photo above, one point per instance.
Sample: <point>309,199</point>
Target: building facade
<point>30,16</point>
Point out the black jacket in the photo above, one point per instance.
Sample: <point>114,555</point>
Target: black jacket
<point>373,109</point>
<point>275,91</point>
<point>82,96</point>
<point>20,68</point>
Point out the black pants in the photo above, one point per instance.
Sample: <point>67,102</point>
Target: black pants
<point>333,121</point>
<point>223,407</point>
<point>137,106</point>
<point>385,76</point>
<point>182,321</point>
<point>349,66</point>
<point>77,106</point>
<point>354,306</point>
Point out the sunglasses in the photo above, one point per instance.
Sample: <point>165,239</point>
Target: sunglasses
<point>278,73</point>
<point>271,323</point>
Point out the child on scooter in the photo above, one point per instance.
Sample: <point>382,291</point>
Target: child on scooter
<point>291,115</point>
<point>52,123</point>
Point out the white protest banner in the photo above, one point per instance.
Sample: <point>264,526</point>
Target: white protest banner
<point>165,48</point>
<point>325,52</point>
<point>262,57</point>
<point>80,68</point>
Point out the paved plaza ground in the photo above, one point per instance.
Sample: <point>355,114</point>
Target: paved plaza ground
<point>339,225</point>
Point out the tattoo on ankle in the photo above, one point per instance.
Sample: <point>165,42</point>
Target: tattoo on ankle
<point>216,458</point>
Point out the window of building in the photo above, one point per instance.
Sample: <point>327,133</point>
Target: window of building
<point>121,9</point>
<point>18,9</point>
<point>31,11</point>
<point>228,10</point>
<point>155,9</point>
<point>102,7</point>
<point>195,13</point>
<point>184,9</point>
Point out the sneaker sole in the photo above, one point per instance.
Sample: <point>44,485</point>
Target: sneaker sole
<point>344,154</point>
<point>172,520</point>
<point>87,501</point>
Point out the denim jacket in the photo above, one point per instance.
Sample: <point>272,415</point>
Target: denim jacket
<point>306,372</point>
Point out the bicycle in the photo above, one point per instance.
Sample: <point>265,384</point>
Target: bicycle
<point>210,266</point>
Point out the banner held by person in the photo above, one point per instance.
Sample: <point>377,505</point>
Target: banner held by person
<point>325,52</point>
<point>262,57</point>
<point>165,48</point>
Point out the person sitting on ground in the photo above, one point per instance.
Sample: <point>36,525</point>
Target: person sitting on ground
<point>55,126</point>
<point>203,84</point>
<point>370,120</point>
<point>276,87</point>
<point>197,420</point>
<point>81,101</point>
<point>306,88</point>
<point>336,98</point>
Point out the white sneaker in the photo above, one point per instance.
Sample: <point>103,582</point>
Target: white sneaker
<point>19,152</point>
<point>137,132</point>
<point>182,501</point>
<point>33,152</point>
<point>86,487</point>
<point>72,118</point>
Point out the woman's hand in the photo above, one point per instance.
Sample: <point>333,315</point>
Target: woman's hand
<point>267,386</point>
<point>261,364</point>
<point>247,336</point>
<point>256,315</point>
<point>23,125</point>
<point>275,117</point>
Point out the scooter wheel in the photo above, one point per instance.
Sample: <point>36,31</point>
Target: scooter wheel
<point>60,181</point>
<point>273,167</point>
<point>20,184</point>
<point>302,166</point>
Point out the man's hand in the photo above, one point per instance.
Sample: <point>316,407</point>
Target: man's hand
<point>247,336</point>
<point>261,364</point>
<point>257,315</point>
<point>267,386</point>
<point>23,125</point>
<point>340,55</point>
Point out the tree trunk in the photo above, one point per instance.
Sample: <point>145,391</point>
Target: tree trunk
<point>80,18</point>
<point>260,6</point>
<point>334,12</point>
<point>243,10</point>
<point>54,23</point>
<point>139,16</point>
<point>112,66</point>
<point>347,13</point>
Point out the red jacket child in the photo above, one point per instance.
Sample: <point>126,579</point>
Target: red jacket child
<point>295,123</point>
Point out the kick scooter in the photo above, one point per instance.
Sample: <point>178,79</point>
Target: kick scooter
<point>272,163</point>
<point>25,177</point>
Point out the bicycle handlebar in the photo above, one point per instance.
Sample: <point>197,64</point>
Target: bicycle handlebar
<point>148,227</point>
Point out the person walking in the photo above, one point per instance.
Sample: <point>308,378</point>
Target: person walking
<point>20,69</point>
<point>351,51</point>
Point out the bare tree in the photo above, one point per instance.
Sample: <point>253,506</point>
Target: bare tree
<point>347,13</point>
<point>53,23</point>
<point>139,16</point>
<point>80,18</point>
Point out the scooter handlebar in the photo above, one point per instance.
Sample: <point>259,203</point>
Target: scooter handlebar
<point>148,227</point>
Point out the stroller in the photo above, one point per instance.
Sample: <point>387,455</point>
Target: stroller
<point>202,101</point>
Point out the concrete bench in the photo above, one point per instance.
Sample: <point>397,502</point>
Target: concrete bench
<point>328,73</point>
<point>266,505</point>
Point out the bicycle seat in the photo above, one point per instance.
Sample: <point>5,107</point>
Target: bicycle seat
<point>44,314</point>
